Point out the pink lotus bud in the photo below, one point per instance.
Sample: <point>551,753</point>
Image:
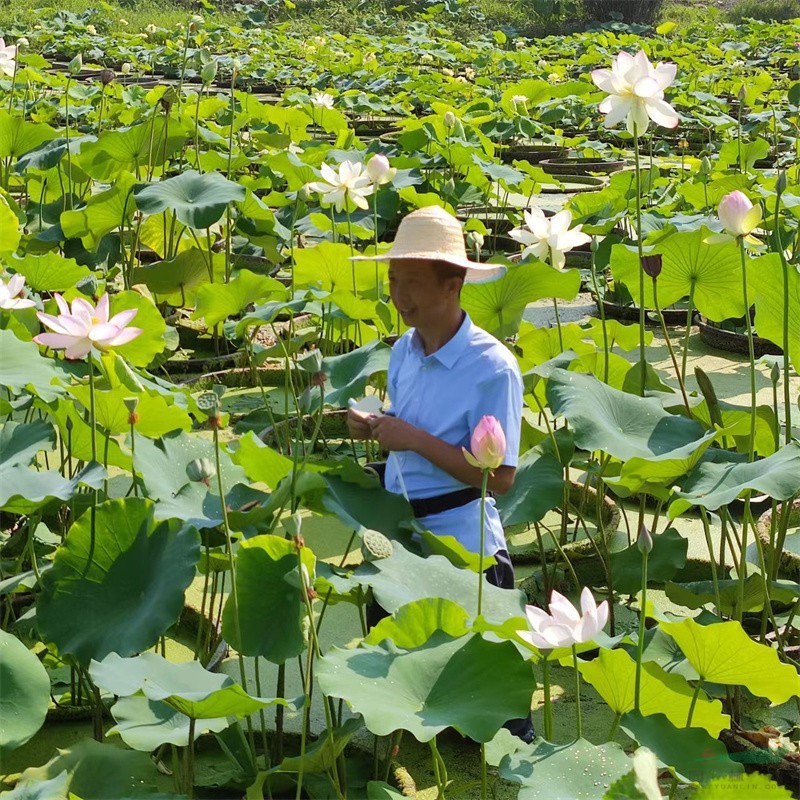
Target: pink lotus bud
<point>488,444</point>
<point>737,214</point>
<point>379,170</point>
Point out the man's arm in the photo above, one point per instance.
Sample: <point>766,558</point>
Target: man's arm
<point>396,434</point>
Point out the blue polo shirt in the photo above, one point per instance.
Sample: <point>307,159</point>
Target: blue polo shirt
<point>446,393</point>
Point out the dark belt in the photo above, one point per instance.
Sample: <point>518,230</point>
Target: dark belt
<point>444,502</point>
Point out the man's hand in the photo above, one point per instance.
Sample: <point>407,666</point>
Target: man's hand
<point>358,424</point>
<point>393,433</point>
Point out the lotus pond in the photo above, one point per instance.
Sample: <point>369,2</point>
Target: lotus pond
<point>189,537</point>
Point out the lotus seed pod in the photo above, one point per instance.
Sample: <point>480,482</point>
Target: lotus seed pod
<point>374,545</point>
<point>201,470</point>
<point>22,44</point>
<point>208,402</point>
<point>195,22</point>
<point>130,403</point>
<point>106,76</point>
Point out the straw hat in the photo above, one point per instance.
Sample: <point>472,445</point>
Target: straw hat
<point>431,233</point>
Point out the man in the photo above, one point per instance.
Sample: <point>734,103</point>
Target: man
<point>445,373</point>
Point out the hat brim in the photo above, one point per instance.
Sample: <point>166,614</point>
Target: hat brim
<point>477,272</point>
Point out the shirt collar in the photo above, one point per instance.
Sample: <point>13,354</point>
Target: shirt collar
<point>448,353</point>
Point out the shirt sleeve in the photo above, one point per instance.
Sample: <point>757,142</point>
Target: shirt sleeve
<point>500,396</point>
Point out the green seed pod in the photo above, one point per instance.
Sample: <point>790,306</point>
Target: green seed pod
<point>201,470</point>
<point>374,546</point>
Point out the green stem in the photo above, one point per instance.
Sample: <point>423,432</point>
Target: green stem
<point>548,706</point>
<point>787,397</point>
<point>712,560</point>
<point>640,642</point>
<point>602,310</point>
<point>578,720</point>
<point>749,328</point>
<point>642,358</point>
<point>484,486</point>
<point>669,347</point>
<point>689,312</point>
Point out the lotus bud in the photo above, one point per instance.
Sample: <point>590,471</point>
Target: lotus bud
<point>126,68</point>
<point>208,73</point>
<point>195,22</point>
<point>705,165</point>
<point>487,444</point>
<point>76,65</point>
<point>22,43</point>
<point>775,373</point>
<point>594,245</point>
<point>652,265</point>
<point>742,95</point>
<point>737,214</point>
<point>449,119</point>
<point>475,241</point>
<point>201,470</point>
<point>780,184</point>
<point>106,76</point>
<point>645,541</point>
<point>379,170</point>
<point>131,403</point>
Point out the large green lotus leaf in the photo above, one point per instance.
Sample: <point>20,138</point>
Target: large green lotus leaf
<point>103,213</point>
<point>752,786</point>
<point>96,771</point>
<point>130,591</point>
<point>271,604</point>
<point>17,136</point>
<point>198,200</point>
<point>414,623</point>
<point>620,424</point>
<point>557,771</point>
<point>50,272</point>
<point>20,442</point>
<point>23,489</point>
<point>497,306</point>
<point>187,687</point>
<point>261,463</point>
<point>538,488</point>
<point>736,422</point>
<point>26,693</point>
<point>715,271</point>
<point>10,229</point>
<point>148,344</point>
<point>724,653</point>
<point>435,576</point>
<point>23,368</point>
<point>445,683</point>
<point>74,428</point>
<point>268,312</point>
<point>700,593</point>
<point>162,463</point>
<point>157,415</point>
<point>145,724</point>
<point>179,279</point>
<point>215,303</point>
<point>320,756</point>
<point>771,292</point>
<point>715,484</point>
<point>378,790</point>
<point>328,267</point>
<point>691,752</point>
<point>666,558</point>
<point>613,675</point>
<point>702,196</point>
<point>127,149</point>
<point>346,375</point>
<point>47,155</point>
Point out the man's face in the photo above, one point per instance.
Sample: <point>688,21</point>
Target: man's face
<point>418,292</point>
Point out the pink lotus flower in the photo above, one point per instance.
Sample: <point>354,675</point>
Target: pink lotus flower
<point>739,217</point>
<point>79,329</point>
<point>564,625</point>
<point>379,170</point>
<point>542,236</point>
<point>636,92</point>
<point>488,444</point>
<point>12,294</point>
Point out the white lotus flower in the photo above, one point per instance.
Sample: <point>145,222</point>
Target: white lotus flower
<point>543,237</point>
<point>8,57</point>
<point>351,182</point>
<point>12,294</point>
<point>564,625</point>
<point>636,92</point>
<point>322,100</point>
